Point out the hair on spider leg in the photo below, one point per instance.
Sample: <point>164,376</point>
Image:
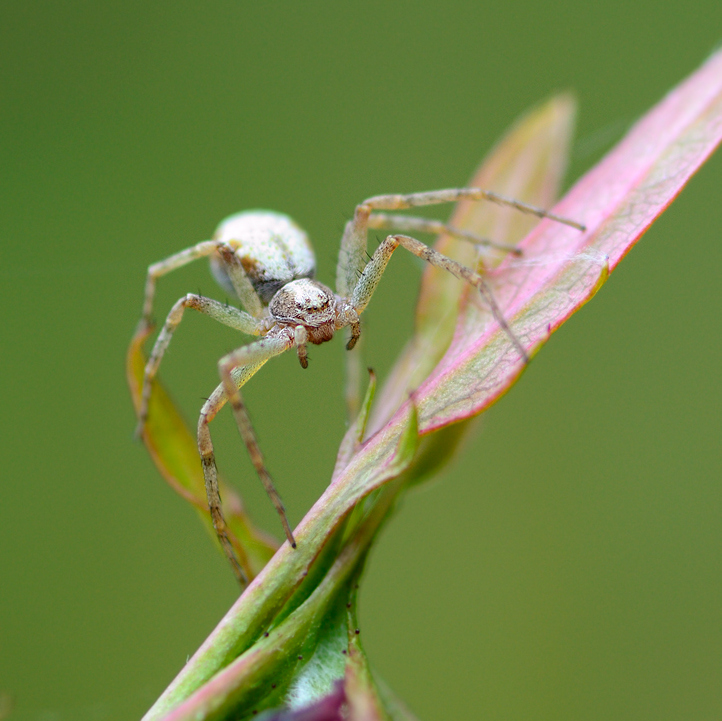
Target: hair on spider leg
<point>343,263</point>
<point>357,272</point>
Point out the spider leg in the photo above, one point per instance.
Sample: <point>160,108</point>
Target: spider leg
<point>228,315</point>
<point>384,221</point>
<point>220,396</point>
<point>353,241</point>
<point>165,266</point>
<point>210,475</point>
<point>435,197</point>
<point>375,267</point>
<point>240,281</point>
<point>204,249</point>
<point>235,370</point>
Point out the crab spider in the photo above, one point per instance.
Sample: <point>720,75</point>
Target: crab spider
<point>266,260</point>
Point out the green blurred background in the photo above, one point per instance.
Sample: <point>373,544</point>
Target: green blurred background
<point>589,509</point>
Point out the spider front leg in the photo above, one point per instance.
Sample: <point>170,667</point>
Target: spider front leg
<point>238,377</point>
<point>374,269</point>
<point>452,195</point>
<point>235,370</point>
<point>228,315</point>
<point>354,240</point>
<point>210,476</point>
<point>385,221</point>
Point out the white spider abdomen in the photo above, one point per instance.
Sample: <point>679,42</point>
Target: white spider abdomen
<point>271,247</point>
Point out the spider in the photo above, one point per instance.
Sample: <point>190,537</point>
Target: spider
<point>266,261</point>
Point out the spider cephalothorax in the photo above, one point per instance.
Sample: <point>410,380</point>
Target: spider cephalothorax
<point>312,312</point>
<point>265,259</point>
<point>309,304</point>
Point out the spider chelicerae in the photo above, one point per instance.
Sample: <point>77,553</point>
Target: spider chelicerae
<point>266,260</point>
